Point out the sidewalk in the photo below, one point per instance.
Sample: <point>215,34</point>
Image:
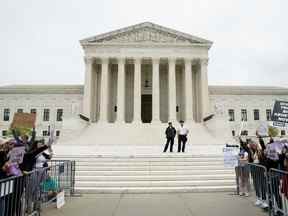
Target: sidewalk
<point>185,204</point>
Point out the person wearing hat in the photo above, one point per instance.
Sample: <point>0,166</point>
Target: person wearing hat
<point>182,137</point>
<point>170,135</point>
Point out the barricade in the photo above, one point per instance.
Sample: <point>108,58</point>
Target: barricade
<point>27,194</point>
<point>278,186</point>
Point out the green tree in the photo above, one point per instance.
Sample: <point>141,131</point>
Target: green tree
<point>273,131</point>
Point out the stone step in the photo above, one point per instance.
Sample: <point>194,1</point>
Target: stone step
<point>180,189</point>
<point>148,163</point>
<point>169,157</point>
<point>155,178</point>
<point>152,173</point>
<point>167,183</point>
<point>150,168</point>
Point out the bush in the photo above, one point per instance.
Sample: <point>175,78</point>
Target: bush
<point>273,131</point>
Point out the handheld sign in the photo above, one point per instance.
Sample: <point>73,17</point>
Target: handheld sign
<point>230,156</point>
<point>16,155</point>
<point>280,113</point>
<point>24,120</point>
<point>60,199</point>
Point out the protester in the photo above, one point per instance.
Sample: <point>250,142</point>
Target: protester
<point>243,171</point>
<point>25,139</point>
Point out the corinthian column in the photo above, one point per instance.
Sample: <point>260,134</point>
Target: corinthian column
<point>188,91</point>
<point>137,90</point>
<point>121,91</point>
<point>155,92</point>
<point>104,91</point>
<point>87,106</point>
<point>172,90</point>
<point>204,88</point>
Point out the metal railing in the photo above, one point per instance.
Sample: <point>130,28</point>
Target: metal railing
<point>269,187</point>
<point>27,194</point>
<point>278,187</point>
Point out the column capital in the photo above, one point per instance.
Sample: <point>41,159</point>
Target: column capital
<point>137,60</point>
<point>188,60</point>
<point>89,59</point>
<point>172,60</point>
<point>104,60</point>
<point>204,61</point>
<point>156,60</point>
<point>121,59</point>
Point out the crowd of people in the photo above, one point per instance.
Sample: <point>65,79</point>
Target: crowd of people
<point>268,152</point>
<point>19,156</point>
<point>30,154</point>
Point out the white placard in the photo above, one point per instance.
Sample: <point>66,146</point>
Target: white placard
<point>231,156</point>
<point>60,199</point>
<point>16,155</point>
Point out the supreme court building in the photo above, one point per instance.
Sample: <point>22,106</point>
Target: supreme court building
<point>145,73</point>
<point>137,79</point>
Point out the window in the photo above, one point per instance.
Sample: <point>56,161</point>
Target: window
<point>283,132</point>
<point>4,133</point>
<point>57,133</point>
<point>256,114</point>
<point>33,111</point>
<point>6,114</point>
<point>268,114</point>
<point>233,132</point>
<point>243,115</point>
<point>20,110</point>
<point>231,115</point>
<point>45,133</point>
<point>46,115</point>
<point>59,114</point>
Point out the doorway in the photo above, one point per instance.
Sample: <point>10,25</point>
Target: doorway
<point>146,108</point>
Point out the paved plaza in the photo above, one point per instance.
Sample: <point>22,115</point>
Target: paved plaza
<point>185,204</point>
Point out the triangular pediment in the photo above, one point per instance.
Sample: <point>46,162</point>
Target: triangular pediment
<point>145,32</point>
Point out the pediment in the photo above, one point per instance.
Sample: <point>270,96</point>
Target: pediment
<point>143,33</point>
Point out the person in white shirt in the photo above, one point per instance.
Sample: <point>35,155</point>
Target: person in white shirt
<point>182,137</point>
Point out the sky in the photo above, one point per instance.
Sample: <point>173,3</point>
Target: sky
<point>39,39</point>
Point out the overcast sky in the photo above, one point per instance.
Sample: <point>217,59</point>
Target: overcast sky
<point>39,39</point>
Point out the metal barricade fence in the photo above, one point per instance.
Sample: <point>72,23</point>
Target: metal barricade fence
<point>65,171</point>
<point>25,195</point>
<point>278,187</point>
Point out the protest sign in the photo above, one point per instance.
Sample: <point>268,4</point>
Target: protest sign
<point>60,199</point>
<point>24,120</point>
<point>16,155</point>
<point>231,156</point>
<point>280,114</point>
<point>262,130</point>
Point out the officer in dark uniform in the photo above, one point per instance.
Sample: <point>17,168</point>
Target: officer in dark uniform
<point>170,135</point>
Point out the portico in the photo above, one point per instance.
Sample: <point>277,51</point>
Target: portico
<point>145,74</point>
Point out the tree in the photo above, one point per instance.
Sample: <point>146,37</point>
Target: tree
<point>273,131</point>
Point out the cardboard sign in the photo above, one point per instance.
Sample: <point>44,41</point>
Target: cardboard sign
<point>231,156</point>
<point>280,112</point>
<point>16,155</point>
<point>60,199</point>
<point>26,120</point>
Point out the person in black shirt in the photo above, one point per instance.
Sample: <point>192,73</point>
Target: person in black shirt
<point>170,135</point>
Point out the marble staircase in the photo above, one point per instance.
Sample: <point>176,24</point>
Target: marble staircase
<point>162,173</point>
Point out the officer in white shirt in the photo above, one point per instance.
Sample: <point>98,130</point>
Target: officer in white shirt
<point>182,137</point>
